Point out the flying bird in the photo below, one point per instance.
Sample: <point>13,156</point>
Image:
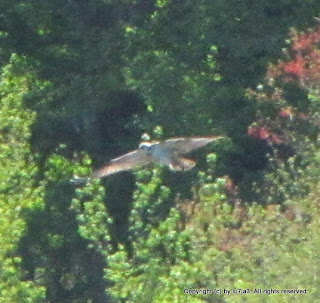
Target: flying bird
<point>168,152</point>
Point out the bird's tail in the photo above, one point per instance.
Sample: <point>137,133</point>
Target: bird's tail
<point>182,164</point>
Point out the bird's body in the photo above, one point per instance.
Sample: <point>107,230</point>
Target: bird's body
<point>168,152</point>
<point>159,153</point>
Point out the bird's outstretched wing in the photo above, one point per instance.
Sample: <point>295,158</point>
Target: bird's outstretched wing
<point>186,145</point>
<point>126,162</point>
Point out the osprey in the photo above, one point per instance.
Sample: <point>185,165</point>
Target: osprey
<point>168,152</point>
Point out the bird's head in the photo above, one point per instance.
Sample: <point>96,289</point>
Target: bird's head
<point>148,146</point>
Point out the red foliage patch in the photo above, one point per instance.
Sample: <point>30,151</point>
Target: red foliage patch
<point>264,133</point>
<point>304,62</point>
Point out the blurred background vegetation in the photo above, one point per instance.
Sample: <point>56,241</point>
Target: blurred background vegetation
<point>81,81</point>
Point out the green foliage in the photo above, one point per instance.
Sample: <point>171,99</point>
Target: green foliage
<point>199,246</point>
<point>17,191</point>
<point>172,65</point>
<point>92,216</point>
<point>65,239</point>
<point>76,51</point>
<point>92,76</point>
<point>163,260</point>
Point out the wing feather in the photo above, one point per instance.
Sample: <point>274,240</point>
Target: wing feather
<point>126,162</point>
<point>186,145</point>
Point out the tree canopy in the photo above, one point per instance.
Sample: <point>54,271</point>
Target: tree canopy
<point>82,81</point>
